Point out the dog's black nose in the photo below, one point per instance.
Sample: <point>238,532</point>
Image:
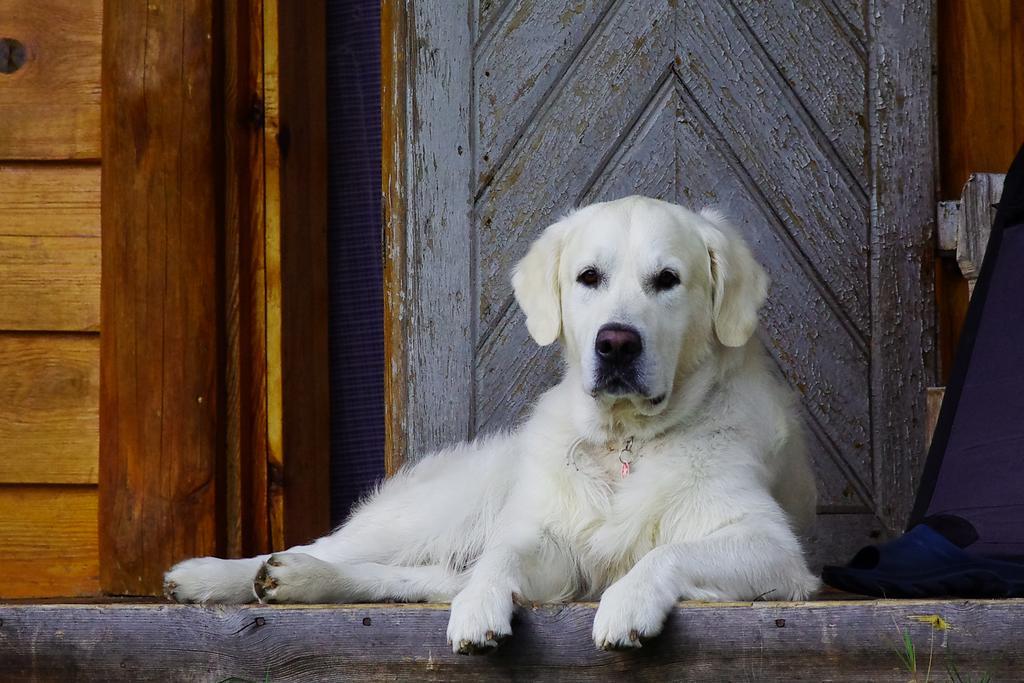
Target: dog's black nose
<point>618,345</point>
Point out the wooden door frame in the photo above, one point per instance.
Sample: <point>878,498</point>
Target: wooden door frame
<point>426,49</point>
<point>427,100</point>
<point>213,398</point>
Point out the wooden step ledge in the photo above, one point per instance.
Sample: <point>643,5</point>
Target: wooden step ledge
<point>836,641</point>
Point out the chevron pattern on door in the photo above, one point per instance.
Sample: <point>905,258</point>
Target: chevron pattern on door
<point>781,114</point>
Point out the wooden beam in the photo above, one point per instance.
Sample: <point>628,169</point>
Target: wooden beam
<point>160,392</point>
<point>901,106</point>
<point>835,641</point>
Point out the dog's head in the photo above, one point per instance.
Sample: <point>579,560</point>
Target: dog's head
<point>638,290</point>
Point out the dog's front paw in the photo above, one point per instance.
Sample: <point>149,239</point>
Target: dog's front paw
<point>210,579</point>
<point>297,577</point>
<point>480,618</point>
<point>626,616</point>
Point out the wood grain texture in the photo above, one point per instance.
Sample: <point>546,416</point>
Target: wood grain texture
<point>903,194</point>
<point>295,144</point>
<point>272,269</point>
<point>980,89</point>
<point>246,489</point>
<point>50,200</point>
<point>48,541</point>
<point>835,641</point>
<point>160,392</point>
<point>826,76</point>
<point>394,169</point>
<point>430,275</point>
<point>516,66</point>
<point>819,201</point>
<point>49,424</point>
<point>50,107</point>
<point>49,247</point>
<point>50,283</point>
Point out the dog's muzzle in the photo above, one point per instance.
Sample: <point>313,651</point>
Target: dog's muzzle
<point>618,349</point>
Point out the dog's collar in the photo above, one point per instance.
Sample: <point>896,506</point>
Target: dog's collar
<point>629,450</point>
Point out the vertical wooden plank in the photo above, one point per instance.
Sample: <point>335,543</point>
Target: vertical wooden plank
<point>430,277</point>
<point>394,174</point>
<point>246,502</point>
<point>160,385</point>
<point>296,262</point>
<point>901,123</point>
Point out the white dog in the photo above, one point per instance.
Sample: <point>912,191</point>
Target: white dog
<point>667,464</point>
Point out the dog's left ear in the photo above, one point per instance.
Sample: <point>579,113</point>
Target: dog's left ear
<point>740,285</point>
<point>535,282</point>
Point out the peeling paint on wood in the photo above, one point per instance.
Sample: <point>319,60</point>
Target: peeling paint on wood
<point>902,123</point>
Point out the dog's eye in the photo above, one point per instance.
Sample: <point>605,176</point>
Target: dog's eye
<point>666,279</point>
<point>589,278</point>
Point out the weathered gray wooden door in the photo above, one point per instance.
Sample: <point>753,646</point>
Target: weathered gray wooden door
<point>809,122</point>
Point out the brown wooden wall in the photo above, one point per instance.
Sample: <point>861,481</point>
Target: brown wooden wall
<point>213,393</point>
<point>206,431</point>
<point>49,295</point>
<point>981,121</point>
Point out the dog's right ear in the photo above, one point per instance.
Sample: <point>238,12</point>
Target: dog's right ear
<point>535,282</point>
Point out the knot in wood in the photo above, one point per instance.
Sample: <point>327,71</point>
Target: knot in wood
<point>12,55</point>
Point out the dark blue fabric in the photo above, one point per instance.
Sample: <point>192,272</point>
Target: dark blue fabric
<point>982,475</point>
<point>924,563</point>
<point>975,468</point>
<point>966,535</point>
<point>355,259</point>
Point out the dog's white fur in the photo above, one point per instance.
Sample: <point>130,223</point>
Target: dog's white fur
<point>719,490</point>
